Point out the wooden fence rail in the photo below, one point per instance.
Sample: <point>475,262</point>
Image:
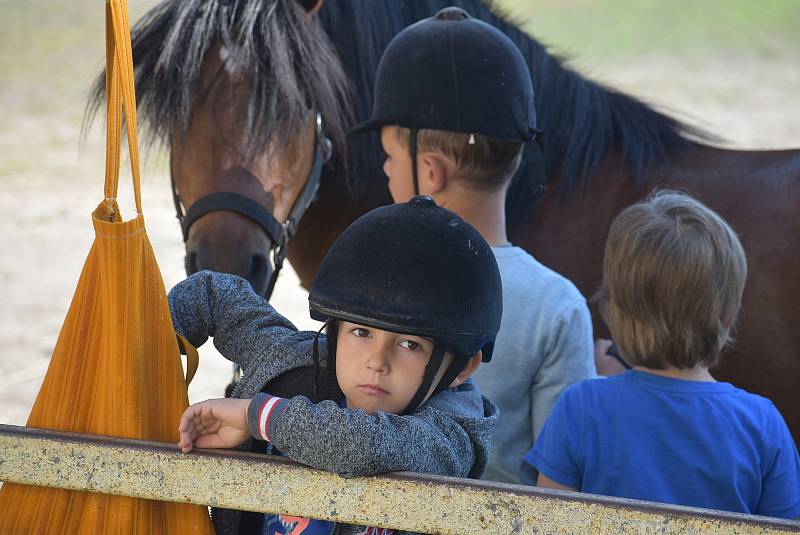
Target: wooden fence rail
<point>406,501</point>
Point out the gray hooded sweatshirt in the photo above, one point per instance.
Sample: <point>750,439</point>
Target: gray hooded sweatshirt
<point>450,434</point>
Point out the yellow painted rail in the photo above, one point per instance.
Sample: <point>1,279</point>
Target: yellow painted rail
<point>413,502</point>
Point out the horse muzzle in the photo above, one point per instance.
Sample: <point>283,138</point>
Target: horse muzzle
<point>227,242</point>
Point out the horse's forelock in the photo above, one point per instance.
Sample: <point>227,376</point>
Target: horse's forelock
<point>291,65</point>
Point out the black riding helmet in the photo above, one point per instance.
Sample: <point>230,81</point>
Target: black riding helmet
<point>414,268</point>
<point>454,73</point>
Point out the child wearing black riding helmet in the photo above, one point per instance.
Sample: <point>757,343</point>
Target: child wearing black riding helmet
<point>411,297</point>
<point>455,105</point>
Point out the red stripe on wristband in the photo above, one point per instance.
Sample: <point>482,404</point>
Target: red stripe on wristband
<point>264,414</point>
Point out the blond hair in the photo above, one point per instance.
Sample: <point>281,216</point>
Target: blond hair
<point>485,163</point>
<point>673,277</point>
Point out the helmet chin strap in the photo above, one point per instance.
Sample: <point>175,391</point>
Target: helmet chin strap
<point>325,385</point>
<point>428,389</point>
<point>413,148</point>
<point>315,358</point>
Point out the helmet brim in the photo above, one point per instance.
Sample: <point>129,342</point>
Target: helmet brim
<point>369,126</point>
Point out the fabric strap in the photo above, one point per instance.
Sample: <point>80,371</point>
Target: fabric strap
<point>315,358</point>
<point>449,375</point>
<point>433,367</point>
<point>120,98</point>
<point>192,358</point>
<point>413,148</point>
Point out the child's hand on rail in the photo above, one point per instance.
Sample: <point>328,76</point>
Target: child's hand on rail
<point>214,423</point>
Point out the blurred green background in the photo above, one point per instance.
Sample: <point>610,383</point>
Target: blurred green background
<point>45,36</point>
<point>599,31</point>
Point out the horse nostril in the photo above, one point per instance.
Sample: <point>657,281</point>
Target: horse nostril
<point>190,262</point>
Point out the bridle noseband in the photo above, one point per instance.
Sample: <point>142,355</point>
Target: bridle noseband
<point>279,234</point>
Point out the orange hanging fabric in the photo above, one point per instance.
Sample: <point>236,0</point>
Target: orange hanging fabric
<point>116,367</point>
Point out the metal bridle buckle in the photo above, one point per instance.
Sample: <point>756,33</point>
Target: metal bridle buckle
<point>324,141</point>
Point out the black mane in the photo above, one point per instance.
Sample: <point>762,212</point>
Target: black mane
<point>292,64</point>
<point>582,120</point>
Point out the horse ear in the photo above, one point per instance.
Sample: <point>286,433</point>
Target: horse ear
<point>311,6</point>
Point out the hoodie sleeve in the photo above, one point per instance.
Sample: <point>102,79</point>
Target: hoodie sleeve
<point>222,306</point>
<point>354,443</point>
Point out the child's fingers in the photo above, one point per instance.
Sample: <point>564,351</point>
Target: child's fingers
<point>185,444</point>
<point>193,423</point>
<point>200,427</point>
<point>205,440</point>
<point>189,416</point>
<point>184,427</point>
<point>208,441</point>
<point>185,441</point>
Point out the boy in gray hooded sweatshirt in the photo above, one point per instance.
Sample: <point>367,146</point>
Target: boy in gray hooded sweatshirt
<point>411,297</point>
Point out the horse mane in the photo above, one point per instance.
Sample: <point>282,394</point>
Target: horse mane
<point>331,60</point>
<point>582,121</point>
<point>288,57</point>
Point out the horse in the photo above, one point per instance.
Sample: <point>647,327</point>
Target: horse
<point>233,88</point>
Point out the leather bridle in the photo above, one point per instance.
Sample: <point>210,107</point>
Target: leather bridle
<point>279,234</point>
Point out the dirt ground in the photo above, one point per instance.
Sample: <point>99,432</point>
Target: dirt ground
<point>48,189</point>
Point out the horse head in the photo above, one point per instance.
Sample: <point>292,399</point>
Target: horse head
<point>233,207</point>
<point>251,101</point>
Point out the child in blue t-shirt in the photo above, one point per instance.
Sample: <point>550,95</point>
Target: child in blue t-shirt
<point>666,431</point>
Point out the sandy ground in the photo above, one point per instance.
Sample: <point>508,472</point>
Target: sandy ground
<point>48,190</point>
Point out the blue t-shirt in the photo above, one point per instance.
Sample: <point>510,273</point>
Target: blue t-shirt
<point>642,436</point>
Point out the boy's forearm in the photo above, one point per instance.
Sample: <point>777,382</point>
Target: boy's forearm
<point>190,310</point>
<point>224,307</point>
<point>353,443</point>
